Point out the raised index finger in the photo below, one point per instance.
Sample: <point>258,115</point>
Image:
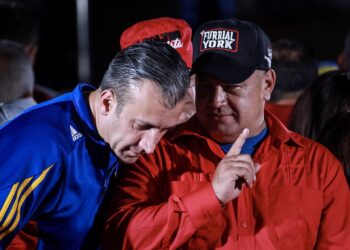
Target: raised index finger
<point>237,146</point>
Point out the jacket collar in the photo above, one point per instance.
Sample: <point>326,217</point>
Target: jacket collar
<point>84,112</point>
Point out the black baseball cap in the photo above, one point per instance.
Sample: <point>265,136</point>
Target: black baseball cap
<point>230,49</point>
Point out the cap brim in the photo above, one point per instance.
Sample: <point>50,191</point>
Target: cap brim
<point>221,68</point>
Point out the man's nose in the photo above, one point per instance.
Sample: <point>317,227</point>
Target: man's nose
<point>220,97</point>
<point>150,139</point>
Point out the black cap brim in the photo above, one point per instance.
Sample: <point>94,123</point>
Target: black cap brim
<point>221,68</point>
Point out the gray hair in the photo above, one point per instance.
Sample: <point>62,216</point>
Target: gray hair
<point>16,72</point>
<point>159,63</point>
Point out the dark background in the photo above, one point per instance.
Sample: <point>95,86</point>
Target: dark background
<point>321,24</point>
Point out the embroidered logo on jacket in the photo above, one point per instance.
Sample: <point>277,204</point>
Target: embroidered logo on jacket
<point>75,134</point>
<point>222,39</point>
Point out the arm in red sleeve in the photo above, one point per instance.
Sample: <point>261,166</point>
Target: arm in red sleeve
<point>144,214</point>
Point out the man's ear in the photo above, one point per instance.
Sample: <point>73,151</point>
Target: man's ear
<point>108,101</point>
<point>269,83</point>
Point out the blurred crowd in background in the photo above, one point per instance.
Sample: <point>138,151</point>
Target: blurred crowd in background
<point>322,25</point>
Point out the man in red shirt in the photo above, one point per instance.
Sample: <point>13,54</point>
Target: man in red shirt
<point>273,189</point>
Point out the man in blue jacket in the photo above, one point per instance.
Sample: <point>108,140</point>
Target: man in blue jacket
<point>57,157</point>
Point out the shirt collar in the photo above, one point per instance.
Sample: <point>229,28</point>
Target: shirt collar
<point>279,132</point>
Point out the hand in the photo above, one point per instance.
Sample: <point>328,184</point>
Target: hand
<point>233,171</point>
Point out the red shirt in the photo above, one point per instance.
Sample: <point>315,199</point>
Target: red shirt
<point>300,200</point>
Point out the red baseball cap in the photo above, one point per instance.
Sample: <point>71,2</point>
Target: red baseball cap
<point>173,31</point>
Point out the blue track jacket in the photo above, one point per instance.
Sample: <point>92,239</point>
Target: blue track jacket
<point>54,170</point>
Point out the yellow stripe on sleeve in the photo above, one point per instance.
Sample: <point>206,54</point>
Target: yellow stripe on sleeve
<point>8,200</point>
<point>22,200</point>
<point>14,206</point>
